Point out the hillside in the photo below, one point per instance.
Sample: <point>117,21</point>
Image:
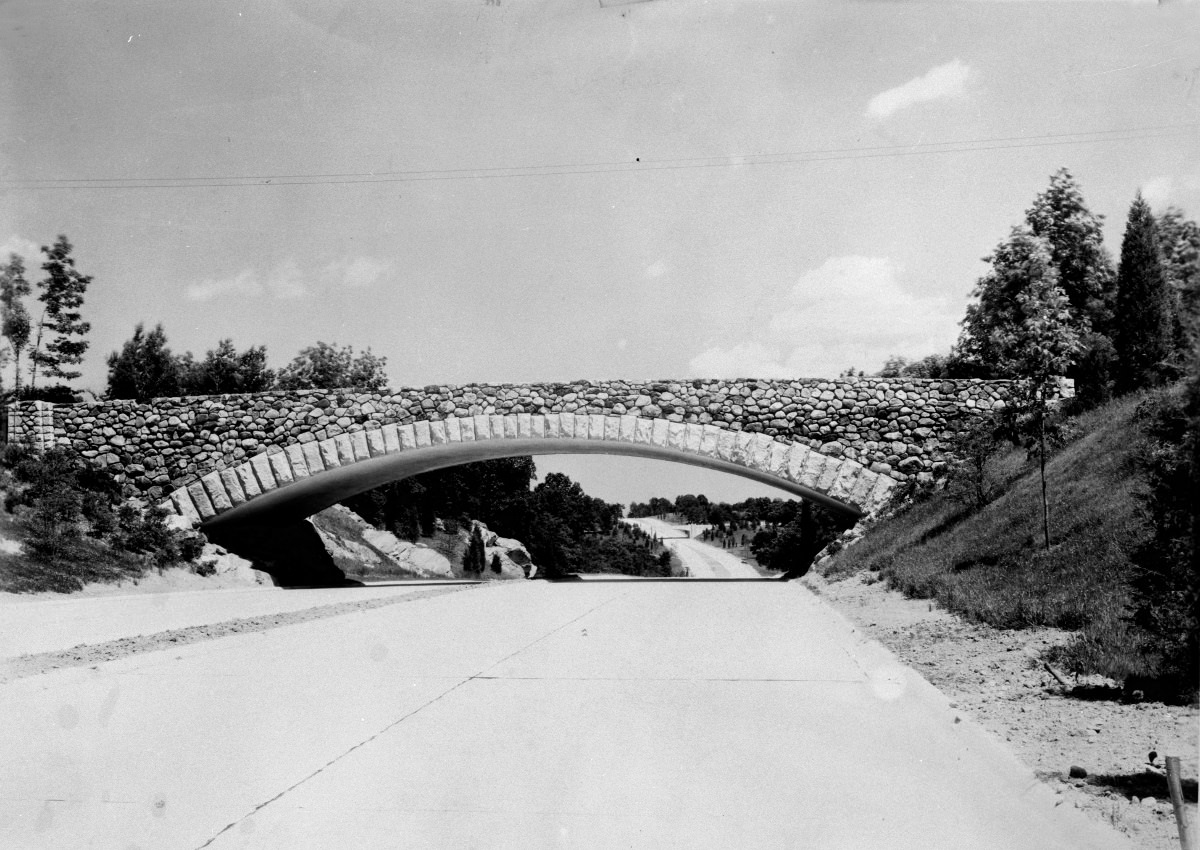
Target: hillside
<point>987,563</point>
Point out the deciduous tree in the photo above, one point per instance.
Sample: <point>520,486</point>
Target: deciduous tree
<point>1038,345</point>
<point>1073,237</point>
<point>328,367</point>
<point>144,368</point>
<point>226,370</point>
<point>14,318</point>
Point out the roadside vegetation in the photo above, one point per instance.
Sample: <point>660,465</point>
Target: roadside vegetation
<point>1084,516</point>
<point>564,529</point>
<point>73,527</point>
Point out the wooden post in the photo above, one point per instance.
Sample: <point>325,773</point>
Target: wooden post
<point>1176,789</point>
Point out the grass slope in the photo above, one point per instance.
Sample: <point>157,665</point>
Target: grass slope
<point>989,565</point>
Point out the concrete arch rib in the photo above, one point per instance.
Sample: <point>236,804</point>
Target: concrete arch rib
<point>303,478</point>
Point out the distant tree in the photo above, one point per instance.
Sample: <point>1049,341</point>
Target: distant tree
<point>1144,332</point>
<point>892,367</point>
<point>1035,348</point>
<point>226,370</point>
<point>327,367</point>
<point>14,318</point>
<point>474,559</point>
<point>497,567</point>
<point>62,293</point>
<point>144,368</point>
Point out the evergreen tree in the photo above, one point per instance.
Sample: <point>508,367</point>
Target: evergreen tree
<point>1143,329</point>
<point>1179,244</point>
<point>14,318</point>
<point>474,559</point>
<point>62,293</point>
<point>144,368</point>
<point>497,567</point>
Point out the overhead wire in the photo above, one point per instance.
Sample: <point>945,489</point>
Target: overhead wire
<point>607,167</point>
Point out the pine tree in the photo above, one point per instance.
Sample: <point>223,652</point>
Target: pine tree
<point>14,318</point>
<point>1179,244</point>
<point>497,567</point>
<point>1143,328</point>
<point>474,559</point>
<point>62,293</point>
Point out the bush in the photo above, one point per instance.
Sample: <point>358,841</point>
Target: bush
<point>1166,584</point>
<point>77,529</point>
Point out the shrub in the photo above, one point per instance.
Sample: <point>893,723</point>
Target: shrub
<point>76,528</point>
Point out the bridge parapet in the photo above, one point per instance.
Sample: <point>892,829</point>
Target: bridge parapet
<point>900,428</point>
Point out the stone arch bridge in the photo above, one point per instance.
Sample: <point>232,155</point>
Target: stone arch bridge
<point>280,456</point>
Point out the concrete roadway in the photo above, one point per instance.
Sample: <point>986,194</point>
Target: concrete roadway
<point>571,715</point>
<point>702,559</point>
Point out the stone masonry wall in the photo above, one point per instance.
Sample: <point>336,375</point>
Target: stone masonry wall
<point>901,427</point>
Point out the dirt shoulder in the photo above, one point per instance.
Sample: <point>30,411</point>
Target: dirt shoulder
<point>996,677</point>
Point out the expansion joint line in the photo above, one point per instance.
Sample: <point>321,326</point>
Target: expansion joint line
<point>482,674</point>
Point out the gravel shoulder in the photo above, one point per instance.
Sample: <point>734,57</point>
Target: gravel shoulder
<point>997,678</point>
<point>89,654</point>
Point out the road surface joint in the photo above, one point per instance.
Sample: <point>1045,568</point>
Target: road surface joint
<point>457,685</point>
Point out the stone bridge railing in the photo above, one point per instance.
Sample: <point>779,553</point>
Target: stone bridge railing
<point>901,428</point>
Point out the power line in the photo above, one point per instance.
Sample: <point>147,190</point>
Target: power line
<point>612,167</point>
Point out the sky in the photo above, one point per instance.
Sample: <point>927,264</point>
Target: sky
<point>509,191</point>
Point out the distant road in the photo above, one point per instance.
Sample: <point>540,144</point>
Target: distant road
<point>701,560</point>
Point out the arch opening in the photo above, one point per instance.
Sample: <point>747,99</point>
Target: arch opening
<point>307,496</point>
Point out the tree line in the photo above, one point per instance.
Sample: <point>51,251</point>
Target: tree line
<point>1053,293</point>
<point>564,529</point>
<point>1054,303</point>
<point>783,534</point>
<point>49,348</point>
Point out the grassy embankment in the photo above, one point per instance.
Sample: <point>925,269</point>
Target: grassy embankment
<point>988,564</point>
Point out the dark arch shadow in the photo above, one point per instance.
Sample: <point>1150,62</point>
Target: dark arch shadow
<point>271,530</point>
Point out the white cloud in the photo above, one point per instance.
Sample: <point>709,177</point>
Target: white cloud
<point>30,251</point>
<point>656,270</point>
<point>849,312</point>
<point>287,281</point>
<point>355,272</point>
<point>744,360</point>
<point>942,81</point>
<point>243,283</point>
<point>1158,192</point>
